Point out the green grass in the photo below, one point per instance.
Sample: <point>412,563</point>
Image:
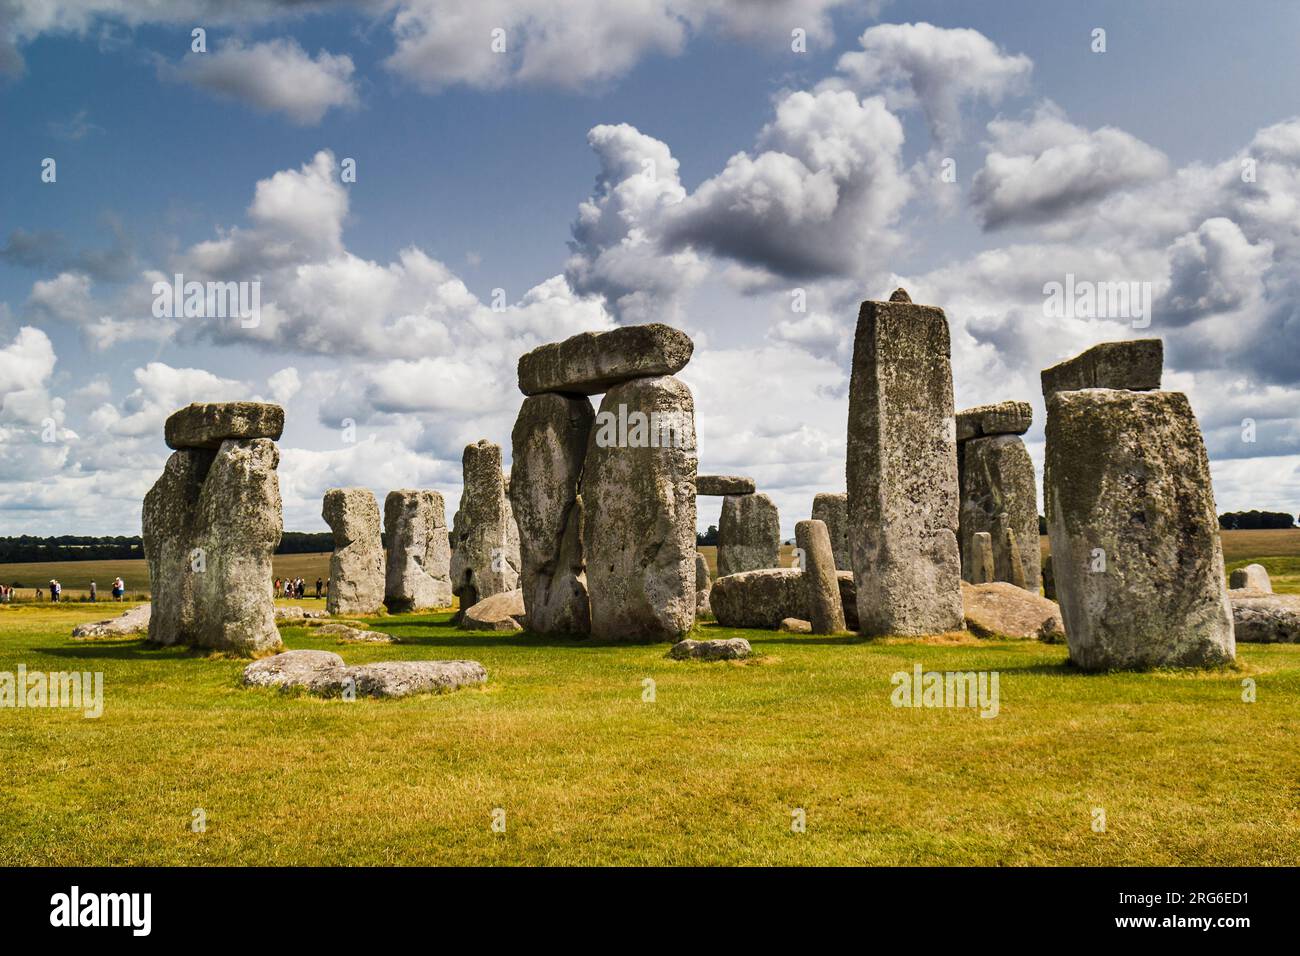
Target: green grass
<point>588,773</point>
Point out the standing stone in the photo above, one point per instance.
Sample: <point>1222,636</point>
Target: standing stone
<point>825,611</point>
<point>998,488</point>
<point>749,534</point>
<point>549,444</point>
<point>593,362</point>
<point>1135,540</point>
<point>1010,551</point>
<point>357,565</point>
<point>170,509</point>
<point>719,485</point>
<point>485,538</point>
<point>238,525</point>
<point>981,558</point>
<point>1253,576</point>
<point>639,526</point>
<point>902,471</point>
<point>1134,364</point>
<point>703,585</point>
<point>418,562</point>
<point>833,510</point>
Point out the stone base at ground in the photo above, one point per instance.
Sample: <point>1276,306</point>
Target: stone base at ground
<point>1001,609</point>
<point>1260,617</point>
<point>760,599</point>
<point>325,674</point>
<point>500,612</point>
<point>129,622</point>
<point>730,649</point>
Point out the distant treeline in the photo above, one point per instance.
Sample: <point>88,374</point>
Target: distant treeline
<point>1254,520</point>
<point>77,547</point>
<point>708,537</point>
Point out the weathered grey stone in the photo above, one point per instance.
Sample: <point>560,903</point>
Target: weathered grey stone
<point>1000,418</point>
<point>639,523</point>
<point>1002,609</point>
<point>733,648</point>
<point>550,444</point>
<point>1135,540</point>
<point>795,625</point>
<point>833,510</point>
<point>500,612</point>
<point>417,571</point>
<point>357,564</point>
<point>347,634</point>
<point>593,362</point>
<point>718,485</point>
<point>238,525</point>
<point>902,471</point>
<point>167,521</point>
<point>1011,550</point>
<point>822,587</point>
<point>208,424</point>
<point>703,585</point>
<point>129,622</point>
<point>1260,617</point>
<point>485,539</point>
<point>1254,576</point>
<point>404,678</point>
<point>999,493</point>
<point>315,671</point>
<point>980,567</point>
<point>760,599</point>
<point>749,534</point>
<point>1135,364</point>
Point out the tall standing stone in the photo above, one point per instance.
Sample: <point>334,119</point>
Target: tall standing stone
<point>417,572</point>
<point>902,471</point>
<point>833,511</point>
<point>749,534</point>
<point>998,493</point>
<point>639,526</point>
<point>825,611</point>
<point>357,564</point>
<point>239,525</point>
<point>168,522</point>
<point>549,445</point>
<point>485,538</point>
<point>1135,541</point>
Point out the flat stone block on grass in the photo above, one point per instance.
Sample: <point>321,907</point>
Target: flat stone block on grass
<point>731,649</point>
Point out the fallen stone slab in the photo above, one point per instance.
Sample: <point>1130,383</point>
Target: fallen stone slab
<point>129,622</point>
<point>347,634</point>
<point>208,424</point>
<point>794,625</point>
<point>733,648</point>
<point>593,362</point>
<point>317,672</point>
<point>718,485</point>
<point>1000,609</point>
<point>1252,576</point>
<point>500,612</point>
<point>760,599</point>
<point>1135,365</point>
<point>404,678</point>
<point>1000,418</point>
<point>1260,617</point>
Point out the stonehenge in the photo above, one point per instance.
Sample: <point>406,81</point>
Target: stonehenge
<point>749,534</point>
<point>821,586</point>
<point>999,493</point>
<point>1137,559</point>
<point>210,524</point>
<point>485,539</point>
<point>833,510</point>
<point>605,503</point>
<point>902,471</point>
<point>357,581</point>
<point>417,572</point>
<point>549,444</point>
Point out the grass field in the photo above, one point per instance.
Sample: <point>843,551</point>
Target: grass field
<point>588,772</point>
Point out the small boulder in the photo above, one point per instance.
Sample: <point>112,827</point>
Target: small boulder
<point>731,649</point>
<point>1000,609</point>
<point>500,612</point>
<point>793,625</point>
<point>347,634</point>
<point>129,622</point>
<point>1252,576</point>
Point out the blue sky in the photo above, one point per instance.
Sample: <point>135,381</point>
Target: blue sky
<point>774,171</point>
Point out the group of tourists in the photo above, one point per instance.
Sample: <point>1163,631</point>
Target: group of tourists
<point>297,587</point>
<point>9,592</point>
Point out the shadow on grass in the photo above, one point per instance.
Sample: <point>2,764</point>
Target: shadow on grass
<point>134,649</point>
